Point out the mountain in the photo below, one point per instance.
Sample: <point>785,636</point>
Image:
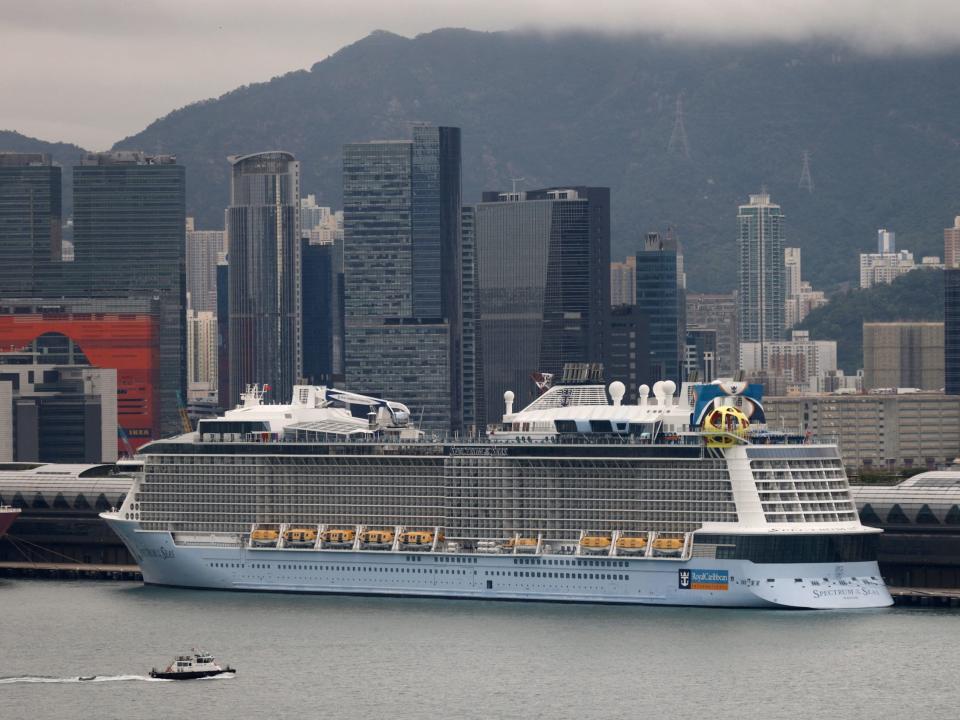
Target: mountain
<point>64,153</point>
<point>883,133</point>
<point>916,296</point>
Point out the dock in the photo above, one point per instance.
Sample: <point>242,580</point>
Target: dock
<point>926,597</point>
<point>69,571</point>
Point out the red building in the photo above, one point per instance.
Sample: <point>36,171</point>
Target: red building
<point>126,342</point>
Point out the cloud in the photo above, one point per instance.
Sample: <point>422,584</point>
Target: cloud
<point>96,71</point>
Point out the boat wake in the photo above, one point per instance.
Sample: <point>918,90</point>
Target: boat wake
<point>77,679</point>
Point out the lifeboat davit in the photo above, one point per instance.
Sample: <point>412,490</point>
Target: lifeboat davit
<point>521,544</point>
<point>338,537</point>
<point>669,547</point>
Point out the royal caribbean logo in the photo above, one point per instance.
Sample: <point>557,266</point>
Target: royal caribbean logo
<point>703,579</point>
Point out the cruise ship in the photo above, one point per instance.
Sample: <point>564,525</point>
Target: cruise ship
<point>680,499</point>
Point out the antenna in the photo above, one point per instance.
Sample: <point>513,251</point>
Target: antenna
<point>678,138</point>
<point>806,180</point>
<point>515,181</point>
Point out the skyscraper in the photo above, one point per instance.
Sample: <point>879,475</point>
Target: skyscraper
<point>204,248</point>
<point>761,270</point>
<point>30,218</point>
<point>542,287</point>
<point>129,222</point>
<point>263,226</point>
<point>402,268</point>
<point>661,296</point>
<point>951,245</point>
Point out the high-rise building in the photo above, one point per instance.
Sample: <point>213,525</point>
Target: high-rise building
<point>877,268</point>
<point>700,355</point>
<point>717,311</point>
<point>661,295</point>
<point>204,247</point>
<point>626,349</point>
<point>129,225</point>
<point>800,361</point>
<point>886,241</point>
<point>542,287</point>
<point>761,272</point>
<point>801,297</point>
<point>951,245</point>
<point>263,227</point>
<point>623,282</point>
<point>951,331</point>
<point>903,355</point>
<point>223,334</point>
<point>30,219</point>
<point>472,391</point>
<point>202,354</point>
<point>402,273</point>
<point>322,312</point>
<point>792,269</point>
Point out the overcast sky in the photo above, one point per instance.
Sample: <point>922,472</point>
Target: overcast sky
<point>94,71</point>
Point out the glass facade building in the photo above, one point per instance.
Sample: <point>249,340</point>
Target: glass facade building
<point>322,313</point>
<point>660,296</point>
<point>761,270</point>
<point>263,227</point>
<point>129,224</point>
<point>30,220</point>
<point>542,288</point>
<point>402,273</point>
<point>951,331</point>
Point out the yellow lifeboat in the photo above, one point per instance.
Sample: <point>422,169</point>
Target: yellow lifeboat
<point>595,543</point>
<point>521,544</point>
<point>264,537</point>
<point>376,538</point>
<point>418,538</point>
<point>629,545</point>
<point>338,537</point>
<point>299,537</point>
<point>668,546</point>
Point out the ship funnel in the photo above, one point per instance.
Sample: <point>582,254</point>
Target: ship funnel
<point>644,391</point>
<point>617,390</point>
<point>508,401</point>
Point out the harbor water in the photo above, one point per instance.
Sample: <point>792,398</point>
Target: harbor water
<point>350,657</point>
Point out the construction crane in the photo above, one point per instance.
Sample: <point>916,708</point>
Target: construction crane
<point>185,423</point>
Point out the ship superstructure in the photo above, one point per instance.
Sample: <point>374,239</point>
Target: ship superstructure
<point>680,499</point>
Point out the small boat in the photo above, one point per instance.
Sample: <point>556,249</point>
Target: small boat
<point>418,539</point>
<point>628,545</point>
<point>595,543</point>
<point>299,537</point>
<point>520,544</point>
<point>376,538</point>
<point>191,667</point>
<point>338,537</point>
<point>84,678</point>
<point>264,537</point>
<point>668,547</point>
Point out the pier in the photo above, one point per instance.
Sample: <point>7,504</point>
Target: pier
<point>925,597</point>
<point>69,571</point>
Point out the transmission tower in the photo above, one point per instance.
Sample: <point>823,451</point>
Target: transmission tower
<point>806,180</point>
<point>678,138</point>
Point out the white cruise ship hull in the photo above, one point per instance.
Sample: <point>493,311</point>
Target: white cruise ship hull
<point>231,565</point>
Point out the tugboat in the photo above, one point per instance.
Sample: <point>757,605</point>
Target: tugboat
<point>191,667</point>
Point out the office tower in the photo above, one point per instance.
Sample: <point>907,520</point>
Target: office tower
<point>202,365</point>
<point>661,295</point>
<point>951,245</point>
<point>129,224</point>
<point>312,215</point>
<point>951,331</point>
<point>700,355</point>
<point>717,311</point>
<point>761,272</point>
<point>627,353</point>
<point>322,312</point>
<point>30,219</point>
<point>263,227</point>
<point>623,282</point>
<point>468,361</point>
<point>402,269</point>
<point>204,247</point>
<point>223,335</point>
<point>542,287</point>
<point>903,354</point>
<point>886,241</point>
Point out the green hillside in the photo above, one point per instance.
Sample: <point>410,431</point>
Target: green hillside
<point>915,296</point>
